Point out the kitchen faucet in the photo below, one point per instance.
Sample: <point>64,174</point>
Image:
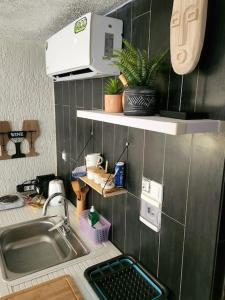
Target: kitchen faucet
<point>65,223</point>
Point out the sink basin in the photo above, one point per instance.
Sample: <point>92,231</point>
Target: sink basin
<point>30,247</point>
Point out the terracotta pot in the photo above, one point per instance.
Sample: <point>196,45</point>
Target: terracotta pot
<point>113,103</point>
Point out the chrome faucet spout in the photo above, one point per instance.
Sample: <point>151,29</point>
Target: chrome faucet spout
<point>66,222</point>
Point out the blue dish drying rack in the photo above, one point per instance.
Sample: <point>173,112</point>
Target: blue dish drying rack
<point>124,278</point>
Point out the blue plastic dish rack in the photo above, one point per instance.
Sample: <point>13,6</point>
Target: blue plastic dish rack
<point>123,278</point>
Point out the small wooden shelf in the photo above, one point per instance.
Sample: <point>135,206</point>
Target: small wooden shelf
<point>155,123</point>
<point>104,193</point>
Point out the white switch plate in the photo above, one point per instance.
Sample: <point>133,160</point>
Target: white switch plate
<point>151,204</point>
<point>156,191</point>
<point>145,185</point>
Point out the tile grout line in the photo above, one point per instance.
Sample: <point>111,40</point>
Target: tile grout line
<point>141,15</point>
<point>168,90</point>
<point>92,106</point>
<point>112,231</point>
<point>196,91</point>
<point>143,159</point>
<point>70,129</point>
<point>140,237</point>
<point>125,227</point>
<point>114,141</point>
<point>174,220</point>
<point>185,219</point>
<point>149,31</point>
<point>163,172</point>
<point>83,92</point>
<point>144,133</point>
<point>131,21</point>
<point>118,7</point>
<point>102,121</point>
<point>125,210</point>
<point>63,127</point>
<point>181,91</point>
<point>76,120</point>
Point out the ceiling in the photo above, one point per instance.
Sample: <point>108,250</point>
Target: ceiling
<point>39,19</point>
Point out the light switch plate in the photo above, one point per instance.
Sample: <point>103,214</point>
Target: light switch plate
<point>156,191</point>
<point>151,204</point>
<point>145,185</point>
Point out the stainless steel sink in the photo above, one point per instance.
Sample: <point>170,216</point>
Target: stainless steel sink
<point>30,247</point>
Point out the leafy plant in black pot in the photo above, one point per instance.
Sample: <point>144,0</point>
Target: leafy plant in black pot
<point>138,75</point>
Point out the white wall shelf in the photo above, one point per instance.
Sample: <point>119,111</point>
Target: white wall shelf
<point>155,123</point>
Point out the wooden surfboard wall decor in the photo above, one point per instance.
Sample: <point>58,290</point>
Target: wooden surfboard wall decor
<point>187,32</point>
<point>30,132</point>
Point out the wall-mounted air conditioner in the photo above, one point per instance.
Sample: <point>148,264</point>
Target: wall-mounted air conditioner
<point>82,49</point>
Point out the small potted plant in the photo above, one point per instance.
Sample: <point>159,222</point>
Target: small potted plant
<point>113,96</point>
<point>138,76</point>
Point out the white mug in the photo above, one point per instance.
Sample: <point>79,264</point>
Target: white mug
<point>93,159</point>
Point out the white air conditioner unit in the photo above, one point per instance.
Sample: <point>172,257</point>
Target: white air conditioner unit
<point>82,49</point>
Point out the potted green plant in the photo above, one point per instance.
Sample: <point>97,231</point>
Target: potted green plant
<point>113,96</point>
<point>138,76</point>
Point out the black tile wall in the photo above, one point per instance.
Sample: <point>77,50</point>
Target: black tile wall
<point>97,93</point>
<point>140,7</point>
<point>108,143</point>
<point>125,14</point>
<point>149,248</point>
<point>170,255</point>
<point>160,35</point>
<point>80,93</point>
<point>88,94</point>
<point>118,229</point>
<point>132,240</point>
<point>97,138</point>
<point>140,29</point>
<point>65,92</point>
<point>121,138</point>
<point>186,253</point>
<point>135,160</point>
<point>189,91</point>
<point>176,176</point>
<point>202,215</point>
<point>154,155</point>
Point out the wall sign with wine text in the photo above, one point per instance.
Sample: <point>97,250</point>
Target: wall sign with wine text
<point>30,132</point>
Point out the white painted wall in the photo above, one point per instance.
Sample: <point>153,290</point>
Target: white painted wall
<point>26,93</point>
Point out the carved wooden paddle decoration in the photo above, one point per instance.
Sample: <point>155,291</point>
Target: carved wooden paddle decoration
<point>187,31</point>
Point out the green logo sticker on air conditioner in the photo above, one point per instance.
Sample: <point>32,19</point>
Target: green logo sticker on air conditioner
<point>80,25</point>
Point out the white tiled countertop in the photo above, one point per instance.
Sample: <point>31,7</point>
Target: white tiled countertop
<point>75,268</point>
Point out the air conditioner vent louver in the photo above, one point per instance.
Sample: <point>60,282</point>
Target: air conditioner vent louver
<point>68,74</point>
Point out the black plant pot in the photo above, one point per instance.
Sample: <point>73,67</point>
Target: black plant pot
<point>139,101</point>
